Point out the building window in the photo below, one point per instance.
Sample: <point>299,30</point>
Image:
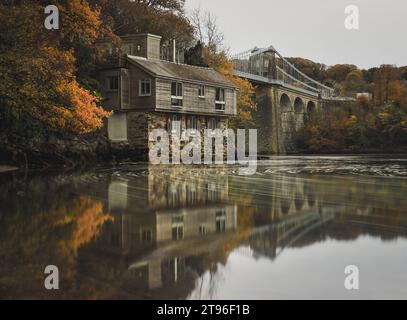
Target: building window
<point>213,123</point>
<point>146,235</point>
<point>176,94</point>
<point>220,99</point>
<point>113,83</point>
<point>203,230</point>
<point>191,195</point>
<point>177,227</point>
<point>175,124</point>
<point>192,123</point>
<point>201,91</point>
<point>145,87</point>
<point>220,221</point>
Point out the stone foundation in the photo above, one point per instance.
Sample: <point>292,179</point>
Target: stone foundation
<point>139,124</point>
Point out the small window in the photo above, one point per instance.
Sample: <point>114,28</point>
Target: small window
<point>177,219</point>
<point>201,91</point>
<point>113,83</point>
<point>146,235</point>
<point>175,124</point>
<point>177,226</point>
<point>221,221</point>
<point>145,87</point>
<point>177,233</point>
<point>192,123</point>
<point>220,99</point>
<point>176,94</point>
<point>203,230</point>
<point>213,123</point>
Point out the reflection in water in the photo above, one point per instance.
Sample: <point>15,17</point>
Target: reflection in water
<point>182,232</point>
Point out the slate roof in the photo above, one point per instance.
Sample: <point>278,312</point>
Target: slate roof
<point>166,69</point>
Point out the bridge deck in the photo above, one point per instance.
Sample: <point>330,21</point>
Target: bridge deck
<point>267,81</point>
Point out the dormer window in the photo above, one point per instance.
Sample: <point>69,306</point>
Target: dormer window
<point>145,87</point>
<point>176,94</point>
<point>220,99</point>
<point>201,91</point>
<point>113,83</point>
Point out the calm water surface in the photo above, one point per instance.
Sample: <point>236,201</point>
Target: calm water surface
<point>148,232</point>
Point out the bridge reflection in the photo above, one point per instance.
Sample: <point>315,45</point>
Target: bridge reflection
<point>171,226</point>
<point>158,232</point>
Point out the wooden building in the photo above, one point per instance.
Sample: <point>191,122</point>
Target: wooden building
<point>145,93</point>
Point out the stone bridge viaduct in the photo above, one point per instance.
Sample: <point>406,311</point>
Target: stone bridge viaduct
<point>285,96</point>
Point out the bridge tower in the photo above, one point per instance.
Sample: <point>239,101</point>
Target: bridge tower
<point>285,96</point>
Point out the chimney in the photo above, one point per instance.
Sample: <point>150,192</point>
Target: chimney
<point>143,45</point>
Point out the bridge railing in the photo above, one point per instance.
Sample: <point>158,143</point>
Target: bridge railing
<point>269,66</point>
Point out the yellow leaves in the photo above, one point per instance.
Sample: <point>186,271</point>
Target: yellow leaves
<point>384,116</point>
<point>353,119</point>
<point>355,75</point>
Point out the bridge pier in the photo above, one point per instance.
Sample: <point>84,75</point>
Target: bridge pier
<point>280,115</point>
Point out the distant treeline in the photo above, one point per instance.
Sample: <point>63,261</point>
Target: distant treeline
<point>376,124</point>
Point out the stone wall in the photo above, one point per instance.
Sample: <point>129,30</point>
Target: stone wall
<point>279,116</point>
<point>139,124</point>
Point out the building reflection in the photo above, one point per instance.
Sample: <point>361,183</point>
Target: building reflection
<point>170,226</point>
<point>164,225</point>
<point>157,232</point>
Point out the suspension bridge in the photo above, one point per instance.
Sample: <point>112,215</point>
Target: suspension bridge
<point>285,96</point>
<point>268,66</point>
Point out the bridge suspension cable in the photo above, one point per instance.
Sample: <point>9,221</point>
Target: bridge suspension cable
<point>269,66</point>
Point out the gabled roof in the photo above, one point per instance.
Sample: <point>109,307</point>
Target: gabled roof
<point>166,69</point>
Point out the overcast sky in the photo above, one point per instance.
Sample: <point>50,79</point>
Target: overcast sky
<point>314,29</point>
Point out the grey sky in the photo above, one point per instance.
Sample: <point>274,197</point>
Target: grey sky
<point>314,29</point>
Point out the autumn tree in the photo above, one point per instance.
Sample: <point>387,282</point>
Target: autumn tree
<point>312,69</point>
<point>339,72</point>
<point>388,86</point>
<point>38,66</point>
<point>163,17</point>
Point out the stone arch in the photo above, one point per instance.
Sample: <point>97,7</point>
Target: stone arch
<point>285,206</point>
<point>285,102</point>
<point>311,199</point>
<point>298,105</point>
<point>298,201</point>
<point>311,107</point>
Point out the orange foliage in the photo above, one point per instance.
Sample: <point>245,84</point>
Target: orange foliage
<point>39,72</point>
<point>86,116</point>
<point>245,102</point>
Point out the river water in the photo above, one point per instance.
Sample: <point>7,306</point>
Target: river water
<point>138,231</point>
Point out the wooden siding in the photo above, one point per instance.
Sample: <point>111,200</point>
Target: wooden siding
<point>191,101</point>
<point>160,98</point>
<point>112,99</point>
<point>137,101</point>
